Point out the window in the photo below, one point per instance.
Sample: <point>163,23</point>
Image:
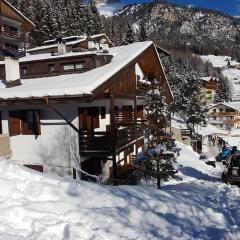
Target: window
<point>67,67</point>
<point>79,65</point>
<point>24,122</point>
<point>51,67</point>
<point>38,168</point>
<point>23,71</point>
<point>214,110</point>
<point>73,66</point>
<point>220,109</point>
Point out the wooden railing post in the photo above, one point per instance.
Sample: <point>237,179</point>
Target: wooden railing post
<point>135,123</point>
<point>114,138</point>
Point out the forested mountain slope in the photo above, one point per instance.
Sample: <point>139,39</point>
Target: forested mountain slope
<point>201,31</point>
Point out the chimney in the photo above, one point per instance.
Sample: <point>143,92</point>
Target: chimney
<point>62,49</point>
<point>12,72</point>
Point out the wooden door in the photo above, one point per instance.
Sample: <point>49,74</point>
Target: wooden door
<point>89,118</point>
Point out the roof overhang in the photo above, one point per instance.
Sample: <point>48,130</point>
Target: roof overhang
<point>9,11</point>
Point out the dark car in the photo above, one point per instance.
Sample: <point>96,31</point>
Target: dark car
<point>231,173</point>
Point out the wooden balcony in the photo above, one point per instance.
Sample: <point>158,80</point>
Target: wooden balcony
<point>106,143</point>
<point>8,33</point>
<point>220,114</point>
<point>5,148</point>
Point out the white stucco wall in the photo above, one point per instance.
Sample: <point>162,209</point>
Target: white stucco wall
<point>57,146</point>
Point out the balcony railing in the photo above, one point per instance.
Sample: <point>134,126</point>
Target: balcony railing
<point>12,34</point>
<point>105,143</point>
<point>218,114</point>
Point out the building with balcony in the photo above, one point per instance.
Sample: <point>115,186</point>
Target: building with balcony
<point>80,112</point>
<point>225,115</point>
<point>13,28</point>
<point>209,88</point>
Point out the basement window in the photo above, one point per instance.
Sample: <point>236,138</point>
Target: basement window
<point>73,66</point>
<point>24,122</point>
<point>51,67</point>
<point>67,67</point>
<point>23,71</point>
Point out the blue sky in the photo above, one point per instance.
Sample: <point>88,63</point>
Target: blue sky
<point>231,7</point>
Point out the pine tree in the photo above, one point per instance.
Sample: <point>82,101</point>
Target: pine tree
<point>157,166</point>
<point>142,35</point>
<point>130,35</point>
<point>222,91</point>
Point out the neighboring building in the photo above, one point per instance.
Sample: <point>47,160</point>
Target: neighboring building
<point>85,111</point>
<point>209,88</point>
<point>224,115</point>
<point>14,27</point>
<point>74,44</point>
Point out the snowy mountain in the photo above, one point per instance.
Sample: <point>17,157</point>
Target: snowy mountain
<point>194,205</point>
<point>201,31</point>
<point>107,8</point>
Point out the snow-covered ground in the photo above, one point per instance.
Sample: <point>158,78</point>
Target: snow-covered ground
<point>195,205</point>
<point>218,61</point>
<point>233,76</point>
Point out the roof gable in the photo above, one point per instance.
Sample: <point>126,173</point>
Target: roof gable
<point>7,10</point>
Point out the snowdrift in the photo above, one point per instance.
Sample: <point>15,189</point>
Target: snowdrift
<point>193,206</point>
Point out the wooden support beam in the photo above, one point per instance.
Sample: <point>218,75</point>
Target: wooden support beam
<point>114,137</point>
<point>62,116</point>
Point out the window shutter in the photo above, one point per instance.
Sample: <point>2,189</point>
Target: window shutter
<point>83,119</point>
<point>27,122</point>
<point>14,123</point>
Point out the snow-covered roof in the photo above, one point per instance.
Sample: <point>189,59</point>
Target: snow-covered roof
<point>55,45</point>
<point>207,79</point>
<point>66,38</point>
<point>69,43</point>
<point>76,84</point>
<point>233,105</point>
<point>49,56</point>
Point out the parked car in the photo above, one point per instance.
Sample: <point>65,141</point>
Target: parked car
<point>207,160</point>
<point>231,174</point>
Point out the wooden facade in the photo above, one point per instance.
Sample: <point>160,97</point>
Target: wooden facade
<point>122,136</point>
<point>13,27</point>
<point>56,66</point>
